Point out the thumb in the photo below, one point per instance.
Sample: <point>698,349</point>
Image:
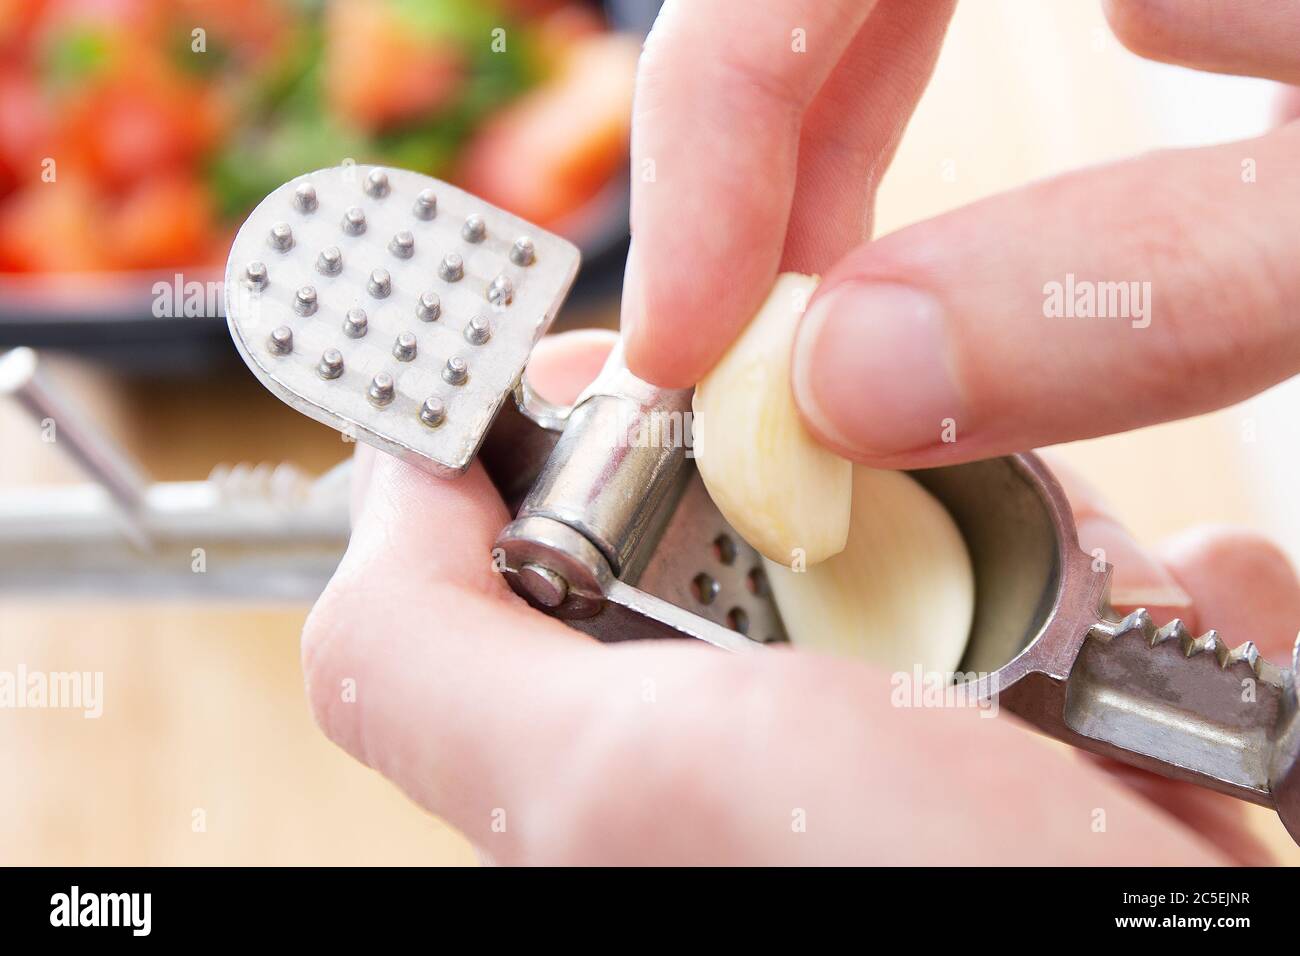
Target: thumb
<point>1093,303</point>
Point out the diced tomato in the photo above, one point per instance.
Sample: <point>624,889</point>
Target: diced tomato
<point>251,29</point>
<point>164,221</point>
<point>18,18</point>
<point>532,8</point>
<point>556,147</point>
<point>558,31</point>
<point>26,128</point>
<point>49,227</point>
<point>141,123</point>
<point>378,72</point>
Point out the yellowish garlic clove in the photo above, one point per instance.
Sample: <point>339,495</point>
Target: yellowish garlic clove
<point>783,492</point>
<point>900,594</point>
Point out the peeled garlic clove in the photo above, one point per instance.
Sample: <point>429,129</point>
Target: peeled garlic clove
<point>785,494</point>
<point>900,594</point>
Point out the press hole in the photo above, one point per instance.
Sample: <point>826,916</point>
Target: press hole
<point>756,581</point>
<point>704,588</point>
<point>724,549</point>
<point>738,620</point>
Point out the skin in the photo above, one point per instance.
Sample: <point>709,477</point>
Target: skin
<point>485,711</point>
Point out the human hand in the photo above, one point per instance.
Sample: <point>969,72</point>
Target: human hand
<point>944,321</point>
<point>543,746</point>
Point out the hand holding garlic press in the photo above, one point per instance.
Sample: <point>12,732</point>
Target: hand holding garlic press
<point>544,746</point>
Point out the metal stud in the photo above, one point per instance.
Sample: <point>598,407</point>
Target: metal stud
<point>331,364</point>
<point>355,323</point>
<point>426,204</point>
<point>255,275</point>
<point>452,268</point>
<point>478,331</point>
<point>404,347</point>
<point>380,391</point>
<point>304,197</point>
<point>281,340</point>
<point>433,412</point>
<point>429,307</point>
<point>281,237</point>
<point>379,284</point>
<point>456,372</point>
<point>474,229</point>
<point>354,221</point>
<point>501,291</point>
<point>402,245</point>
<point>377,184</point>
<point>522,252</point>
<point>330,261</point>
<point>304,300</point>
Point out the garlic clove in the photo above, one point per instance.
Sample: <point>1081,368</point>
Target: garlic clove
<point>783,492</point>
<point>902,591</point>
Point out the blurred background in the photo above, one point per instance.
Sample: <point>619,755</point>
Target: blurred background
<point>135,134</point>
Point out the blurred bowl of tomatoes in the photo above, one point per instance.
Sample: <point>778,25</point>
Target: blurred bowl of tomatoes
<point>135,135</point>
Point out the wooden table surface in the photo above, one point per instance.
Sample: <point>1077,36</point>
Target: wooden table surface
<point>203,703</point>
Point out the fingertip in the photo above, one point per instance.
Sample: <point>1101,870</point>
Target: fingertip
<point>676,326</point>
<point>1145,27</point>
<point>1244,585</point>
<point>1138,579</point>
<point>562,365</point>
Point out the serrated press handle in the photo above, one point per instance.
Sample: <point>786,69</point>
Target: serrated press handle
<point>1189,708</point>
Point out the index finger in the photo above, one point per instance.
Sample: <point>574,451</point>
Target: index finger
<point>721,92</point>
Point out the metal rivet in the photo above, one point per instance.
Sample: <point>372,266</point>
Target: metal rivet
<point>501,291</point>
<point>304,300</point>
<point>255,275</point>
<point>543,585</point>
<point>355,323</point>
<point>474,229</point>
<point>377,183</point>
<point>304,197</point>
<point>281,237</point>
<point>330,261</point>
<point>331,364</point>
<point>402,245</point>
<point>404,347</point>
<point>429,307</point>
<point>522,252</point>
<point>426,204</point>
<point>379,284</point>
<point>354,221</point>
<point>380,391</point>
<point>281,341</point>
<point>433,412</point>
<point>456,371</point>
<point>479,330</point>
<point>452,268</point>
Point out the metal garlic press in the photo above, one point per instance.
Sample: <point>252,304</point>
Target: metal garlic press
<point>402,311</point>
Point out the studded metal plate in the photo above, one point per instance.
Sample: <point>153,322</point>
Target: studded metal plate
<point>392,306</point>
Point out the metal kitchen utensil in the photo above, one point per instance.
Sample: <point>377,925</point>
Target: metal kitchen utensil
<point>250,532</point>
<point>402,311</point>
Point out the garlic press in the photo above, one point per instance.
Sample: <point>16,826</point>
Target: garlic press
<point>401,311</point>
